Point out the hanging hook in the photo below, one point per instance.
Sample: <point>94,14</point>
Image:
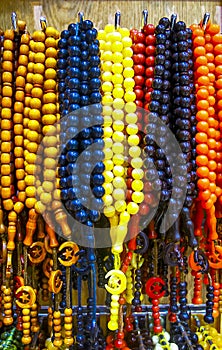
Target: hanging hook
<point>81,16</point>
<point>117,19</point>
<point>205,20</point>
<point>14,21</point>
<point>145,18</point>
<point>43,23</point>
<point>173,21</point>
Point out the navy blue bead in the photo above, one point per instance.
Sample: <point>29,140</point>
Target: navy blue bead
<point>74,51</point>
<point>72,193</point>
<point>81,215</point>
<point>73,72</point>
<point>94,72</point>
<point>93,49</point>
<point>74,97</point>
<point>94,215</point>
<point>63,53</point>
<point>86,156</point>
<point>98,191</point>
<point>94,84</point>
<point>99,168</point>
<point>63,182</point>
<point>84,54</point>
<point>83,36</point>
<point>75,205</point>
<point>72,120</point>
<point>62,159</point>
<point>72,156</point>
<point>65,34</point>
<point>73,181</point>
<point>72,168</point>
<point>94,61</point>
<point>84,65</point>
<point>85,133</point>
<point>74,40</point>
<point>67,91</point>
<point>208,318</point>
<point>62,43</point>
<point>61,63</point>
<point>84,100</point>
<point>64,194</point>
<point>65,104</point>
<point>61,97</point>
<point>73,107</point>
<point>91,35</point>
<point>98,179</point>
<point>61,73</point>
<point>73,83</point>
<point>72,28</point>
<point>98,119</point>
<point>84,88</point>
<point>95,97</point>
<point>61,86</point>
<point>62,171</point>
<point>85,143</point>
<point>97,203</point>
<point>84,46</point>
<point>84,75</point>
<point>97,131</point>
<point>87,24</point>
<point>74,61</point>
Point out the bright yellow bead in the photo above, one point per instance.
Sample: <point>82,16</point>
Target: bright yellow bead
<point>119,182</point>
<point>118,92</point>
<point>30,191</point>
<point>131,118</point>
<point>101,35</point>
<point>132,208</point>
<point>34,125</point>
<point>114,36</point>
<point>102,45</point>
<point>107,56</point>
<point>134,151</point>
<point>107,66</point>
<point>137,174</point>
<point>127,42</point>
<point>108,187</point>
<point>124,32</point>
<point>124,217</point>
<point>130,96</point>
<point>117,79</point>
<point>107,100</point>
<point>129,84</point>
<point>109,28</point>
<point>108,153</point>
<point>106,76</point>
<point>118,148</point>
<point>118,194</point>
<point>107,131</point>
<point>118,136</point>
<point>127,52</point>
<point>130,107</point>
<point>108,175</point>
<point>117,57</point>
<point>30,202</point>
<point>118,125</point>
<point>117,46</point>
<point>108,46</point>
<point>108,164</point>
<point>107,121</point>
<point>120,206</point>
<point>108,200</point>
<point>118,114</point>
<point>108,142</point>
<point>137,163</point>
<point>112,325</point>
<point>118,159</point>
<point>133,140</point>
<point>118,103</point>
<point>109,211</point>
<point>132,129</point>
<point>30,180</point>
<point>107,110</point>
<point>128,72</point>
<point>117,68</point>
<point>127,62</point>
<point>121,232</point>
<point>118,170</point>
<point>137,197</point>
<point>137,185</point>
<point>107,86</point>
